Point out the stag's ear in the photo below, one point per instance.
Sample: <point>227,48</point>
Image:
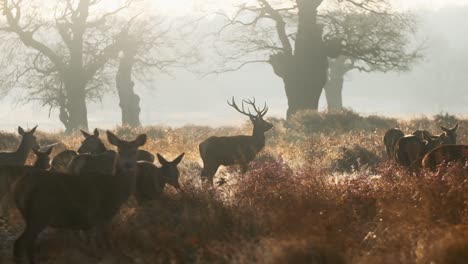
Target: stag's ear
<point>113,139</point>
<point>49,151</point>
<point>178,159</point>
<point>33,130</point>
<point>96,132</point>
<point>141,140</point>
<point>162,160</point>
<point>85,134</point>
<point>21,131</point>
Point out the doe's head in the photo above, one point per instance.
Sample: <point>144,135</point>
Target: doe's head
<point>28,137</point>
<point>127,152</point>
<point>91,144</point>
<point>170,171</point>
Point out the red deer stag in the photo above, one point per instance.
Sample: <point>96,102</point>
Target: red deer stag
<point>76,202</point>
<point>445,154</point>
<point>391,139</point>
<point>18,157</point>
<point>241,150</point>
<point>151,179</point>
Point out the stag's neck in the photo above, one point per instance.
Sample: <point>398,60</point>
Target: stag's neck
<point>23,150</point>
<point>259,139</point>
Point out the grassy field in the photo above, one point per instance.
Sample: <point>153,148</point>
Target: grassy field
<point>322,191</point>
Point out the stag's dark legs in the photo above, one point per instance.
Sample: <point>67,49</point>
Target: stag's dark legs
<point>208,172</point>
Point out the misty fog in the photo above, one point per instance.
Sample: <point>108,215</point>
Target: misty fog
<point>436,84</point>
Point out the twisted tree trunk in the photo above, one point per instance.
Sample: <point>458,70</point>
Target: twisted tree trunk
<point>334,87</point>
<point>305,71</point>
<point>129,100</point>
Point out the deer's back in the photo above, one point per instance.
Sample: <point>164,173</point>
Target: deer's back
<point>408,150</point>
<point>11,158</point>
<point>60,161</point>
<point>87,163</point>
<point>445,153</point>
<point>392,136</point>
<point>70,201</point>
<point>229,150</point>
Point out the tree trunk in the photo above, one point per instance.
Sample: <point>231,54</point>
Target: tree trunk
<point>304,73</point>
<point>334,87</point>
<point>129,101</point>
<point>75,114</point>
<point>333,94</point>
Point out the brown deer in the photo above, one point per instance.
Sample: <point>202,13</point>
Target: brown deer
<point>391,138</point>
<point>445,154</point>
<point>451,134</point>
<point>151,179</point>
<point>60,161</point>
<point>19,157</point>
<point>411,149</point>
<point>42,158</point>
<point>240,150</point>
<point>76,202</point>
<point>94,157</point>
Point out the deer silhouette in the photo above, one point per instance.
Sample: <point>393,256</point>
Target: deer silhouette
<point>410,150</point>
<point>151,179</point>
<point>445,154</point>
<point>391,139</point>
<point>76,202</point>
<point>18,157</point>
<point>42,158</point>
<point>235,150</point>
<point>94,157</point>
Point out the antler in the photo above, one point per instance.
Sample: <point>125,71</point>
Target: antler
<point>234,105</point>
<point>260,113</point>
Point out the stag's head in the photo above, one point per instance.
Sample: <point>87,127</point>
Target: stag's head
<point>28,137</point>
<point>451,133</point>
<point>170,171</point>
<point>257,120</point>
<point>91,144</point>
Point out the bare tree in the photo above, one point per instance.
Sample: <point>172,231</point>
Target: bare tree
<point>384,45</point>
<point>152,47</point>
<point>64,50</point>
<point>291,36</point>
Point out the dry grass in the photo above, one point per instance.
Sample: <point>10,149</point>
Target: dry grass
<point>291,207</point>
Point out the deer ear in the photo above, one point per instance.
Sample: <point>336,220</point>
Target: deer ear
<point>113,139</point>
<point>178,159</point>
<point>455,128</point>
<point>33,130</point>
<point>96,132</point>
<point>49,151</point>
<point>162,160</point>
<point>20,131</point>
<point>85,134</point>
<point>141,140</point>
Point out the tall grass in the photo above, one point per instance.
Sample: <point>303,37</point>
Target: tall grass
<point>293,206</point>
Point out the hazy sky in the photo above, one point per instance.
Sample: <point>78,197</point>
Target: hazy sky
<point>204,100</point>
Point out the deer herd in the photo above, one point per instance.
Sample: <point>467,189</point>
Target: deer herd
<point>423,150</point>
<point>84,189</point>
